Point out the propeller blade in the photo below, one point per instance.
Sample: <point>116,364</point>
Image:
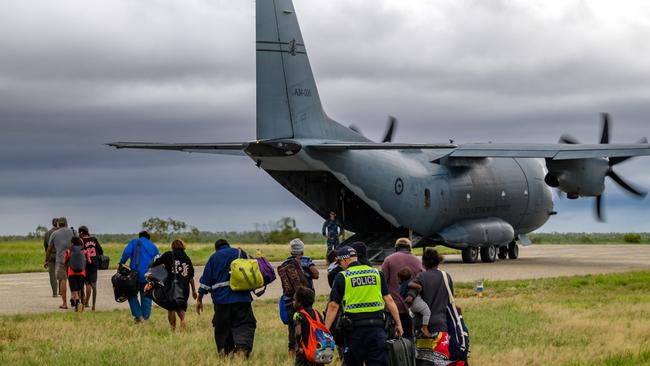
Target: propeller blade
<point>604,137</point>
<point>599,208</point>
<point>614,161</point>
<point>625,185</point>
<point>356,129</point>
<point>568,139</point>
<point>390,129</point>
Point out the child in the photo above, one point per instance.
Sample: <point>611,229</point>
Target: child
<point>303,299</point>
<point>418,306</point>
<point>76,258</point>
<point>314,344</point>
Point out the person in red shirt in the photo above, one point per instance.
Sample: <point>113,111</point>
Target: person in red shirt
<point>76,258</point>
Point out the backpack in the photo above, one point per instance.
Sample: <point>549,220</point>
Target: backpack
<point>456,328</point>
<point>282,309</point>
<point>320,346</point>
<point>77,259</point>
<point>245,274</point>
<point>292,277</point>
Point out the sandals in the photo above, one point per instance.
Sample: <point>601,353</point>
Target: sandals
<point>64,307</point>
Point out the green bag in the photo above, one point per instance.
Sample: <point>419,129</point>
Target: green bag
<point>245,274</point>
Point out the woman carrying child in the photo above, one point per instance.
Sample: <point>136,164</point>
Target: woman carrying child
<point>432,348</point>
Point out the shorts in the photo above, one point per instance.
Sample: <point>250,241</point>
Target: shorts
<point>76,282</point>
<point>61,271</point>
<point>91,274</point>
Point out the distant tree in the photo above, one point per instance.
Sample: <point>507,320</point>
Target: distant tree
<point>163,229</point>
<point>39,232</point>
<point>285,230</point>
<point>632,238</point>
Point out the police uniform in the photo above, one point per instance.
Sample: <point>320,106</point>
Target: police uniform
<point>360,291</point>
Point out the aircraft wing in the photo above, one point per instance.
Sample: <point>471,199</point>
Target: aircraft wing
<point>488,150</point>
<point>343,146</point>
<point>550,151</point>
<point>225,148</point>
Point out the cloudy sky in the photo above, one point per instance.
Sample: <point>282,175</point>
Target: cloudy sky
<point>77,74</point>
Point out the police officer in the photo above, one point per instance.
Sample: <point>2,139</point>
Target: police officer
<point>332,230</point>
<point>363,293</point>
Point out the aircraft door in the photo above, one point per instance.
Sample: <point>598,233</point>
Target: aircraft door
<point>438,213</point>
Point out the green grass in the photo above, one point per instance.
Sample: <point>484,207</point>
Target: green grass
<point>28,256</point>
<point>572,321</point>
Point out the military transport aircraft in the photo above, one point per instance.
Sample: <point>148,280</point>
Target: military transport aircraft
<point>474,197</point>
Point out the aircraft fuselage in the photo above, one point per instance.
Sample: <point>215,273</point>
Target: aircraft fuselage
<point>388,190</point>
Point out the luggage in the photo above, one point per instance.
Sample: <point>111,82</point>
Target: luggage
<point>171,295</point>
<point>125,281</point>
<point>245,274</point>
<point>320,346</point>
<point>401,352</point>
<point>77,260</point>
<point>268,274</point>
<point>103,261</point>
<point>125,284</point>
<point>458,333</point>
<point>292,277</point>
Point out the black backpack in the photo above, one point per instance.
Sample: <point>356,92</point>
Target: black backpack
<point>77,259</point>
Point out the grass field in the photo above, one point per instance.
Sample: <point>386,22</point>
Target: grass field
<point>586,320</point>
<point>28,256</point>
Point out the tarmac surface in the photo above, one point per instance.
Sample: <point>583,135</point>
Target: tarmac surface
<point>30,292</point>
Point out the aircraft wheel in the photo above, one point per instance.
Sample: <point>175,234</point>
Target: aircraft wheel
<point>503,252</point>
<point>489,254</point>
<point>470,255</point>
<point>513,250</point>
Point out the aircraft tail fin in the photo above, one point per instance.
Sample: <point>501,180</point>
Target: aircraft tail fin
<point>288,103</point>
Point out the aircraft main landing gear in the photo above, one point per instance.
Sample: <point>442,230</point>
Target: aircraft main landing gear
<point>489,254</point>
<point>470,255</point>
<point>513,250</point>
<point>503,252</point>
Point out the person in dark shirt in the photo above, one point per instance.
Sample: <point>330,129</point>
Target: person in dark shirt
<point>311,273</point>
<point>433,291</point>
<point>178,263</point>
<point>332,230</point>
<point>333,268</point>
<point>302,300</point>
<point>92,247</point>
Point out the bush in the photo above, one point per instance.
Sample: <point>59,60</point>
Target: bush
<point>632,238</point>
<point>586,239</point>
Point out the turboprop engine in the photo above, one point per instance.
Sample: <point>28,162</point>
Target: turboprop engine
<point>586,177</point>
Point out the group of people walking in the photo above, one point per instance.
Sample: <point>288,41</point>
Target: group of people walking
<point>72,257</point>
<point>366,306</point>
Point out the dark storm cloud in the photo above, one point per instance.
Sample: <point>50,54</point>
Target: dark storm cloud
<point>77,74</point>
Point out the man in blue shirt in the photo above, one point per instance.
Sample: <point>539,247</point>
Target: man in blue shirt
<point>233,321</point>
<point>140,253</point>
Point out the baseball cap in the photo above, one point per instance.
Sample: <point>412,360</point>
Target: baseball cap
<point>346,252</point>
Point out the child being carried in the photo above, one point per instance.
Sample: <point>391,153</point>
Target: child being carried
<point>418,307</point>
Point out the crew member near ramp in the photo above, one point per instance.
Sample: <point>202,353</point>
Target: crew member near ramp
<point>332,230</point>
<point>234,322</point>
<point>363,293</point>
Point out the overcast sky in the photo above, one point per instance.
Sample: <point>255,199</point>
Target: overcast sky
<point>77,74</point>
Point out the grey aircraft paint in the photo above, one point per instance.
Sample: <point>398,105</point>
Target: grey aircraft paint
<point>462,196</point>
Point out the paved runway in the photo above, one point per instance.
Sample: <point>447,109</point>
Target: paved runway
<point>31,293</point>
